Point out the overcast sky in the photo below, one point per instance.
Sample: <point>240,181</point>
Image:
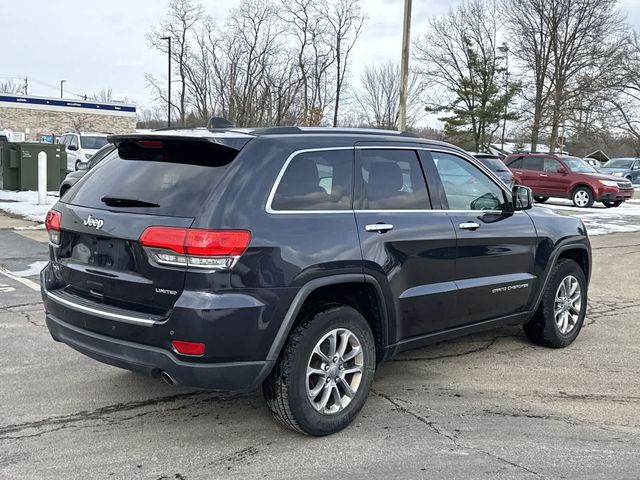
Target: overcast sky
<point>94,45</point>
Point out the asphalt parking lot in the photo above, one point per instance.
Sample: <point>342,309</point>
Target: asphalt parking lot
<point>483,406</point>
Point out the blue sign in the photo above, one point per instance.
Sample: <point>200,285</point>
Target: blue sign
<point>67,103</point>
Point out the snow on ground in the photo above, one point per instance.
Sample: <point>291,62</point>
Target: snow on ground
<point>25,204</point>
<point>598,219</point>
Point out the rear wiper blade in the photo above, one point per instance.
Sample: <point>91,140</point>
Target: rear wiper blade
<point>127,202</point>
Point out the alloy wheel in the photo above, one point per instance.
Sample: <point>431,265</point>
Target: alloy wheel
<point>334,371</point>
<point>568,303</point>
<point>581,198</point>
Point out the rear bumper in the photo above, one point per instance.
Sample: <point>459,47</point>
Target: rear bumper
<point>152,360</point>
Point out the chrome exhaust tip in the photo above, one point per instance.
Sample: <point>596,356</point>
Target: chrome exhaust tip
<point>166,378</point>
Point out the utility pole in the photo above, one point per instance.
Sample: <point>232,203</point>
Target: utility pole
<point>168,39</point>
<point>505,49</point>
<point>404,66</point>
<point>62,82</point>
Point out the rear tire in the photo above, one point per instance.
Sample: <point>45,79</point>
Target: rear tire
<point>608,204</point>
<point>77,165</point>
<point>289,389</point>
<point>541,199</point>
<point>556,324</point>
<point>582,197</point>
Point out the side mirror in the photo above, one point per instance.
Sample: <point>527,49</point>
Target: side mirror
<point>72,148</point>
<point>83,166</point>
<point>522,197</point>
<point>562,170</point>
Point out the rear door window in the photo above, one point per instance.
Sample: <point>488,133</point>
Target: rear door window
<point>171,178</point>
<point>533,163</point>
<point>320,180</point>
<point>391,180</point>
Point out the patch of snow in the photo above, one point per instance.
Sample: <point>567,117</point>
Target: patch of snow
<point>25,204</point>
<point>33,269</point>
<point>598,219</point>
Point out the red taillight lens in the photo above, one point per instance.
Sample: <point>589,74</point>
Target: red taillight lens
<point>217,243</point>
<point>188,348</point>
<point>212,249</point>
<point>53,220</point>
<point>164,237</point>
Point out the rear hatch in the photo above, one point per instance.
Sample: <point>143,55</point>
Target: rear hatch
<point>152,181</point>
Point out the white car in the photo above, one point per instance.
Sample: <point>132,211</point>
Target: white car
<point>81,146</point>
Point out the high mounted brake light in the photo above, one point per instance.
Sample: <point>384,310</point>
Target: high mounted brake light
<point>210,249</point>
<point>52,222</point>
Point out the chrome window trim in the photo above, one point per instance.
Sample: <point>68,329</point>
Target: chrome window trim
<point>145,322</point>
<point>462,155</point>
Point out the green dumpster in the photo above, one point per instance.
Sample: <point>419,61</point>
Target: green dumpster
<point>20,165</point>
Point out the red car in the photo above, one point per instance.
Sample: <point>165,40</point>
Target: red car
<point>564,176</point>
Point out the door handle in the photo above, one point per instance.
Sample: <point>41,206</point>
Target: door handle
<point>378,227</point>
<point>544,175</point>
<point>469,226</point>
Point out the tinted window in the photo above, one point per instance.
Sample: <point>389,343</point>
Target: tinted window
<point>465,186</point>
<point>533,163</point>
<point>316,181</point>
<point>392,180</point>
<point>516,163</point>
<point>177,176</point>
<point>93,143</point>
<point>494,164</point>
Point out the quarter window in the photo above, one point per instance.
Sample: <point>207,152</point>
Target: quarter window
<point>316,181</point>
<point>465,186</point>
<point>392,180</point>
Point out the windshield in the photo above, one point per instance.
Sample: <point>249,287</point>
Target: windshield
<point>578,165</point>
<point>93,143</point>
<point>619,163</point>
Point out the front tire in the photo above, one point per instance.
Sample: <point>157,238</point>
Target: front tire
<point>582,197</point>
<point>560,316</point>
<point>325,373</point>
<point>609,204</point>
<point>77,165</point>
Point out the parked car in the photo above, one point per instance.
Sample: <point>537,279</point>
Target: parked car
<point>300,260</point>
<point>81,146</point>
<point>497,166</point>
<point>628,168</point>
<point>563,176</point>
<point>83,167</point>
<point>593,162</point>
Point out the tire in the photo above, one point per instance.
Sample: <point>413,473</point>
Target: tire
<point>286,388</point>
<point>541,199</point>
<point>607,204</point>
<point>78,165</point>
<point>543,329</point>
<point>582,197</point>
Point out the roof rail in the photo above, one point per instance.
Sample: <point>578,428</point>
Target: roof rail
<point>288,130</point>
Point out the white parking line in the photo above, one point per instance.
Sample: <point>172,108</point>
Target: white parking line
<point>25,281</point>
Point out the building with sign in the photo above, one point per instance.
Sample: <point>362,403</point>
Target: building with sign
<point>34,118</point>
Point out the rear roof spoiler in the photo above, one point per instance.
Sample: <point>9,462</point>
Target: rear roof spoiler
<point>232,140</point>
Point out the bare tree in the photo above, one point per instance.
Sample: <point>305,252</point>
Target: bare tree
<point>460,63</point>
<point>379,96</point>
<point>11,87</point>
<point>104,95</point>
<point>183,15</point>
<point>345,20</point>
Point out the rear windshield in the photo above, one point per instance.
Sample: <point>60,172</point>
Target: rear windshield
<point>495,164</point>
<point>92,143</point>
<point>166,178</point>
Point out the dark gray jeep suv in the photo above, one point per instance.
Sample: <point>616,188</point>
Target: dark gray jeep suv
<point>300,260</point>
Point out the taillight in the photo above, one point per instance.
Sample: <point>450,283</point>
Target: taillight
<point>211,249</point>
<point>52,221</point>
